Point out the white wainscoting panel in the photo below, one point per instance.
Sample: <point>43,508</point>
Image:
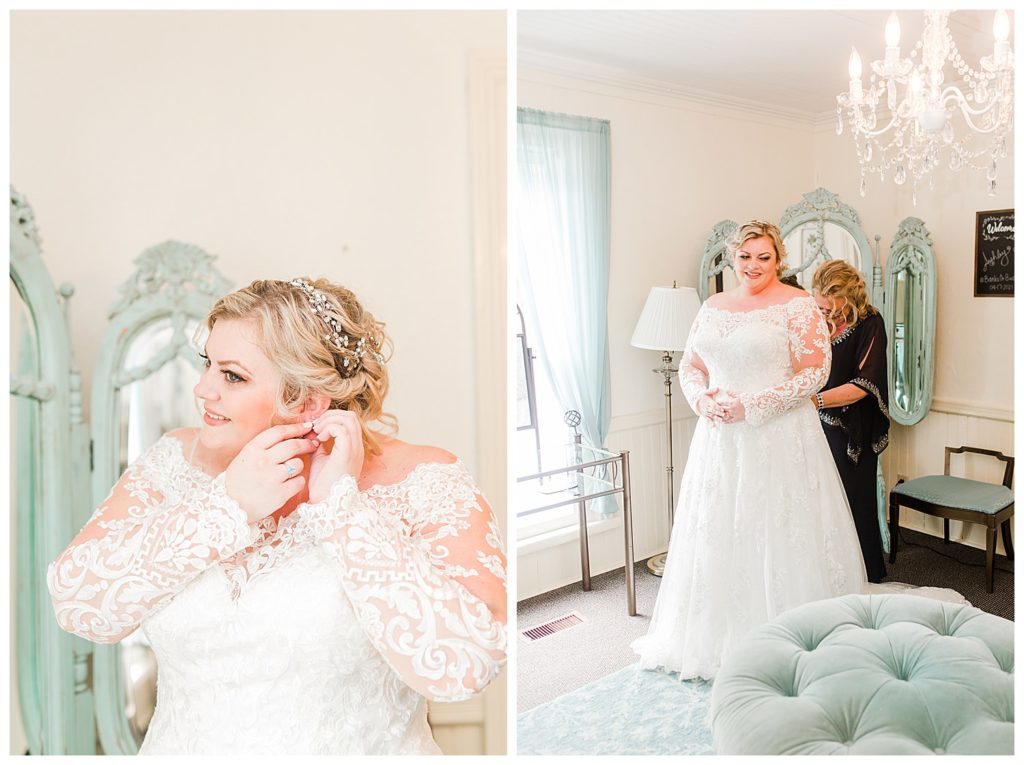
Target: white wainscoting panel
<point>546,565</point>
<point>918,450</point>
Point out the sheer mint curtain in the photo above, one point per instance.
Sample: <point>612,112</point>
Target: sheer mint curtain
<point>562,273</point>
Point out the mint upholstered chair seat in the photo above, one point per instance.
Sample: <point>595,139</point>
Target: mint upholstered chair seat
<point>988,498</point>
<point>869,674</point>
<point>959,499</point>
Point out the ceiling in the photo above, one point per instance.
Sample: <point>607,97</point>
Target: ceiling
<point>792,63</point>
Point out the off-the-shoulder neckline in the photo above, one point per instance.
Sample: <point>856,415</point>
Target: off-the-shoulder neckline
<point>784,304</point>
<point>457,464</point>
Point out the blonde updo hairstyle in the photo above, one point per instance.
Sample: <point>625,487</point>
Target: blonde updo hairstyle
<point>752,230</point>
<point>838,279</point>
<point>293,338</point>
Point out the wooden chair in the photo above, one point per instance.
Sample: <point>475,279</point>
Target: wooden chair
<point>959,499</point>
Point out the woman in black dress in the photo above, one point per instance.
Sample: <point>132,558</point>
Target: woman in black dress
<point>854,404</point>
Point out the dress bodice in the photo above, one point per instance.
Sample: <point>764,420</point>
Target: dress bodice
<point>745,351</point>
<point>772,357</point>
<point>265,647</point>
<point>323,632</point>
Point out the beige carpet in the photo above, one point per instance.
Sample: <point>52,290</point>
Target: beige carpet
<point>567,660</point>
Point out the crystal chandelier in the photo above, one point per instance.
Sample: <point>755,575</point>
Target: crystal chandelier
<point>903,121</point>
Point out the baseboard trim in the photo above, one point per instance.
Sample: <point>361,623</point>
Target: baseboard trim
<point>968,409</point>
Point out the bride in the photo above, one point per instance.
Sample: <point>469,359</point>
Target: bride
<point>763,523</point>
<point>306,583</point>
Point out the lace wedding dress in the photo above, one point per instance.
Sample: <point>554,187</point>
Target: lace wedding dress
<point>763,523</point>
<point>323,633</point>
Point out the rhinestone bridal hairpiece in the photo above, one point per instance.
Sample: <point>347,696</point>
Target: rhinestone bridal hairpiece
<point>351,349</point>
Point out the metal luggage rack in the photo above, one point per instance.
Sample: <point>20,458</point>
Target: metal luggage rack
<point>589,487</point>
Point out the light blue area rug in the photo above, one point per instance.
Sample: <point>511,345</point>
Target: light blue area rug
<point>632,711</point>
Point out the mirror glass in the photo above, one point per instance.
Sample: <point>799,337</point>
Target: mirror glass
<point>811,244</point>
<point>148,408</point>
<point>908,390</point>
<point>161,401</point>
<point>725,280</point>
<point>899,352</point>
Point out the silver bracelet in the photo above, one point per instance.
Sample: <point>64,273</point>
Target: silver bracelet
<point>821,401</point>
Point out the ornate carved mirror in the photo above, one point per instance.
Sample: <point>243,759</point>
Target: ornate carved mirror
<point>48,478</point>
<point>143,384</point>
<point>909,314</point>
<point>822,227</point>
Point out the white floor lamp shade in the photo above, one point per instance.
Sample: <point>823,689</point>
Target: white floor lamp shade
<point>666,319</point>
<point>664,326</point>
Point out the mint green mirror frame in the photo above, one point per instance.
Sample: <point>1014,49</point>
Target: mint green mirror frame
<point>53,667</point>
<point>173,282</point>
<point>909,314</point>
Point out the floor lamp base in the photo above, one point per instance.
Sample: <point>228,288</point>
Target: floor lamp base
<point>656,564</point>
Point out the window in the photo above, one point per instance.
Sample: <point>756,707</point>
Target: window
<point>562,226</point>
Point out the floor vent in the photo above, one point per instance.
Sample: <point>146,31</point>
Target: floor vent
<point>553,626</point>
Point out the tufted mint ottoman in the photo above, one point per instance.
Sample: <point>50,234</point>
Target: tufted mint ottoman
<point>869,674</point>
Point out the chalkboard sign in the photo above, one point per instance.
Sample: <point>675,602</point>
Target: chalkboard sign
<point>993,254</point>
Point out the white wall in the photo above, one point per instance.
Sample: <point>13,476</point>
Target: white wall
<point>332,144</point>
<point>678,167</point>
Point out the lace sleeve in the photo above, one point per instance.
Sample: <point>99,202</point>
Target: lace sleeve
<point>154,533</point>
<point>872,369</point>
<point>427,583</point>
<point>693,376</point>
<point>811,355</point>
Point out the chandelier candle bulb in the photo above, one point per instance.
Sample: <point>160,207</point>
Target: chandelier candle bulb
<point>892,45</point>
<point>1001,26</point>
<point>1001,31</point>
<point>856,94</point>
<point>892,33</point>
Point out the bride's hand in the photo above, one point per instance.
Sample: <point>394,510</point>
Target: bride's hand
<point>733,408</point>
<point>267,472</point>
<point>708,407</point>
<point>345,457</point>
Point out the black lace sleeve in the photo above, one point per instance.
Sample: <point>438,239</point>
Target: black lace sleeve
<point>867,421</point>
